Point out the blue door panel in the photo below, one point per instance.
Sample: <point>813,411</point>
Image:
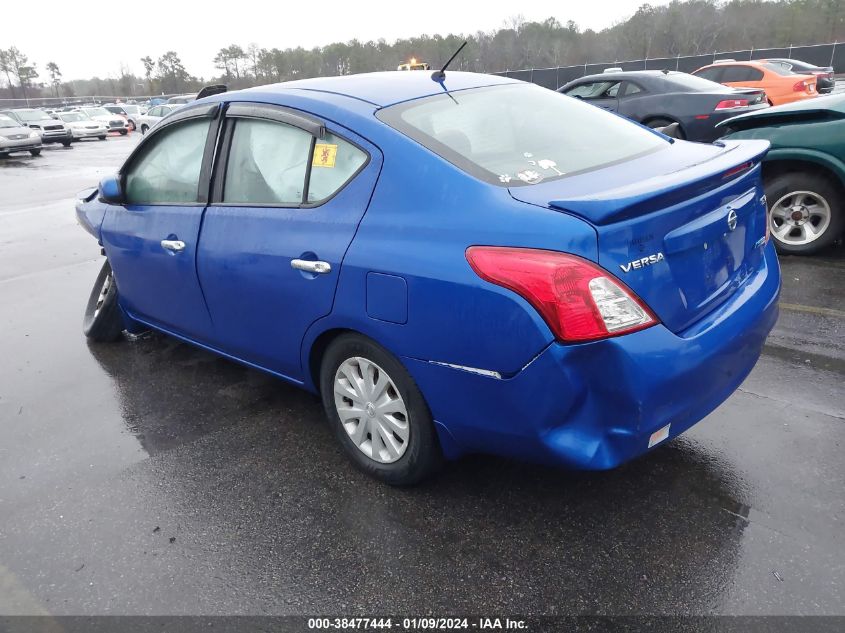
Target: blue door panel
<point>156,284</point>
<point>260,305</point>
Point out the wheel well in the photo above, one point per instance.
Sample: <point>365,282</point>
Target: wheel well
<point>315,356</point>
<point>671,120</point>
<point>775,168</point>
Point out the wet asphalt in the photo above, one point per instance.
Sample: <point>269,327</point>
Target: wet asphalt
<point>148,477</point>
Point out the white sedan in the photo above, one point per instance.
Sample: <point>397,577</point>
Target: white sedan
<point>114,122</point>
<point>154,115</point>
<point>82,126</point>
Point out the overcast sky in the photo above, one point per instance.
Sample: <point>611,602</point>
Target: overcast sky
<point>86,38</point>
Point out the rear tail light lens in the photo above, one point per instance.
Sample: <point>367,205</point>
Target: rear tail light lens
<point>578,300</point>
<point>801,86</point>
<point>729,104</point>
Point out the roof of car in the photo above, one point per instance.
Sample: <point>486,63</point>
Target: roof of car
<point>386,88</point>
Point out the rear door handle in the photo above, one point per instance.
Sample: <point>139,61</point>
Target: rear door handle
<point>174,246</point>
<point>310,266</point>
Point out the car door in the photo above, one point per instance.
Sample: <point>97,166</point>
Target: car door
<point>601,93</point>
<point>629,99</point>
<point>287,200</point>
<point>151,240</point>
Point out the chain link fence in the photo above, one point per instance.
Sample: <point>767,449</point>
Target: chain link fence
<point>818,54</point>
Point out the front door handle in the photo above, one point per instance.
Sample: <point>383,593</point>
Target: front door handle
<point>310,266</point>
<point>174,246</point>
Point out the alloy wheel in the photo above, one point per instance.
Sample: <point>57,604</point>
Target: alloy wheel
<point>104,291</point>
<point>800,217</point>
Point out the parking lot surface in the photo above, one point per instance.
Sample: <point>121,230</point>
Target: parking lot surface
<point>149,477</point>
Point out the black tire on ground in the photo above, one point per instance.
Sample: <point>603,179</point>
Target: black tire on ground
<point>103,321</point>
<point>102,138</point>
<point>66,143</point>
<point>423,456</point>
<point>818,185</point>
<point>35,152</point>
<point>124,132</point>
<point>132,126</point>
<point>656,123</point>
<point>144,128</point>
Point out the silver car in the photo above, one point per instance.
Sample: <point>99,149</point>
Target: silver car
<point>51,130</point>
<point>154,115</point>
<point>15,137</point>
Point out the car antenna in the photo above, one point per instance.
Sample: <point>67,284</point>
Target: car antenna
<point>440,75</point>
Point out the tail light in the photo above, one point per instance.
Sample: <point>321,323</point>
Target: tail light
<point>729,104</point>
<point>802,85</point>
<point>578,300</point>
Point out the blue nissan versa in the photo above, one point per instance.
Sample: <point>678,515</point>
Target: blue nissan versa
<point>473,264</point>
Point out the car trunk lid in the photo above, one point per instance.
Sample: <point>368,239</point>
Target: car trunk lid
<point>684,238</point>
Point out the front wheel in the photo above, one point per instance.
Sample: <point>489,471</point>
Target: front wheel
<point>377,411</point>
<point>103,321</point>
<point>102,138</point>
<point>66,143</point>
<point>124,132</point>
<point>805,212</point>
<point>35,152</point>
<point>144,128</point>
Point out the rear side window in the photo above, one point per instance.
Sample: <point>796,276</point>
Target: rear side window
<point>169,169</point>
<point>520,134</point>
<point>335,162</point>
<point>595,90</point>
<point>267,163</point>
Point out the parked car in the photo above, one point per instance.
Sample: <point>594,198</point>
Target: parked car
<point>181,99</point>
<point>114,122</point>
<point>659,98</point>
<point>84,127</point>
<point>129,112</point>
<point>781,85</point>
<point>15,137</point>
<point>804,172</point>
<point>564,285</point>
<point>153,116</point>
<point>825,78</point>
<point>51,131</point>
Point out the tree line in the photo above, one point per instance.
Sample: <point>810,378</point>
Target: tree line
<point>683,27</point>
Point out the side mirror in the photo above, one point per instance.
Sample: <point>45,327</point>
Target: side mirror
<point>110,190</point>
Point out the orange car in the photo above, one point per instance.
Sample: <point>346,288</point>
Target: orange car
<point>781,86</point>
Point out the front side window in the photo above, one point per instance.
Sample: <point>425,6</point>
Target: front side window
<point>519,134</point>
<point>169,169</point>
<point>267,163</point>
<point>595,90</point>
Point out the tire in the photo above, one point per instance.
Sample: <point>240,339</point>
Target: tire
<point>144,128</point>
<point>810,206</point>
<point>103,321</point>
<point>132,126</point>
<point>102,138</point>
<point>66,143</point>
<point>656,123</point>
<point>35,152</point>
<point>413,458</point>
<point>124,132</point>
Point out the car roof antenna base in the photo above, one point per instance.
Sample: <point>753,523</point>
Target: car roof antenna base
<point>440,75</point>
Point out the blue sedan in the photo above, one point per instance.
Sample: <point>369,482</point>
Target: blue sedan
<point>455,264</point>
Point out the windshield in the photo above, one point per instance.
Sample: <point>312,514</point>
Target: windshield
<point>8,122</point>
<point>520,134</point>
<point>73,117</point>
<point>97,112</point>
<point>32,115</point>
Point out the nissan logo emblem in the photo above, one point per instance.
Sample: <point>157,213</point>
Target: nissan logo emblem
<point>731,219</point>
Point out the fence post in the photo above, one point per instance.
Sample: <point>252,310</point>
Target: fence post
<point>790,51</point>
<point>531,76</point>
<point>832,55</point>
<point>677,63</point>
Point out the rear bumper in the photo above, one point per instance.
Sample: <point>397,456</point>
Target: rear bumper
<point>594,406</point>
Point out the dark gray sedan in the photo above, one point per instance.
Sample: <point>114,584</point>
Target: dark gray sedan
<point>658,98</point>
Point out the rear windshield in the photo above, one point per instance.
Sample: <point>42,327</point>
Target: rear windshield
<point>691,82</point>
<point>520,134</point>
<point>777,68</point>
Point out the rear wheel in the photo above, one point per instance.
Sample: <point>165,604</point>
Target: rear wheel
<point>102,138</point>
<point>144,128</point>
<point>377,411</point>
<point>805,212</point>
<point>103,321</point>
<point>35,152</point>
<point>66,143</point>
<point>124,132</point>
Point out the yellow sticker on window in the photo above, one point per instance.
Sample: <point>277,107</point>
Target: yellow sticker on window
<point>324,155</point>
